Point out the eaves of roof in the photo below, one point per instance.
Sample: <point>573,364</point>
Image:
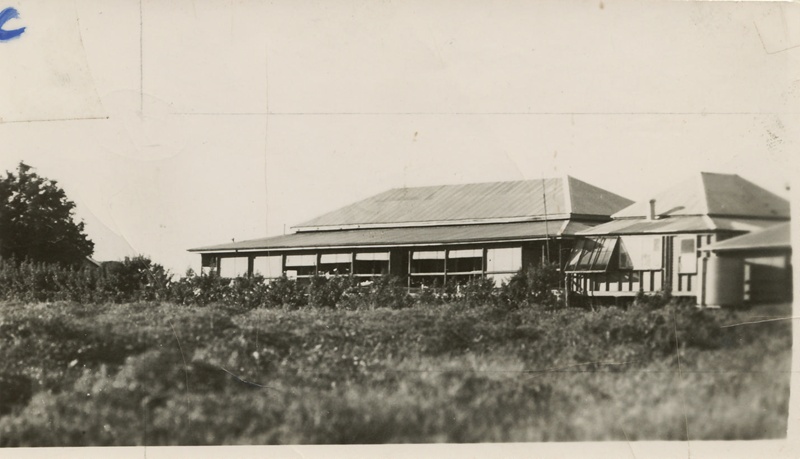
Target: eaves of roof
<point>406,237</point>
<point>682,224</point>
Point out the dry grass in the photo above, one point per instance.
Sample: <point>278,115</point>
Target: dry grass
<point>160,374</point>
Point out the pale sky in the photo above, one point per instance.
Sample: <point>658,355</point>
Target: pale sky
<point>235,118</point>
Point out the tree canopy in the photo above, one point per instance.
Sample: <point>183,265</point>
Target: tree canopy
<point>36,220</point>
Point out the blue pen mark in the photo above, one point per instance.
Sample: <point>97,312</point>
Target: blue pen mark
<point>5,16</point>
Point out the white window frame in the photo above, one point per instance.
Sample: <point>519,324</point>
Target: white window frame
<point>684,266</point>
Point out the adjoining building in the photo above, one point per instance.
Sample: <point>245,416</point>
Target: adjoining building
<point>431,235</point>
<point>753,268</point>
<point>658,244</point>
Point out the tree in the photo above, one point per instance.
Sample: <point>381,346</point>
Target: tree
<point>36,220</point>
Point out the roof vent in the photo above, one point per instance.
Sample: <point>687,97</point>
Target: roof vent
<point>652,214</point>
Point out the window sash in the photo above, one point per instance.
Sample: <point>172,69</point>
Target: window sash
<point>687,260</point>
<point>372,256</point>
<point>469,253</point>
<point>233,266</point>
<point>335,258</point>
<point>592,254</point>
<point>428,255</point>
<point>640,252</point>
<point>503,260</point>
<point>301,260</point>
<point>269,266</point>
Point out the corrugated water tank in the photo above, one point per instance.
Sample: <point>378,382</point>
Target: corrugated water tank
<point>724,281</point>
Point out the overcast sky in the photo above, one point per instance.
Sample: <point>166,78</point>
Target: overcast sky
<point>180,124</point>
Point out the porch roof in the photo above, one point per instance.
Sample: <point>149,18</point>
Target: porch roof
<point>411,236</point>
<point>774,237</point>
<point>688,224</point>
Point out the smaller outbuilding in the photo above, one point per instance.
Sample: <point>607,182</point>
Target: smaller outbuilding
<point>660,244</point>
<point>753,268</point>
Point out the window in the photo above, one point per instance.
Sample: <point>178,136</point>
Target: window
<point>504,260</point>
<point>208,264</point>
<point>233,267</point>
<point>371,263</point>
<point>502,264</point>
<point>640,252</point>
<point>427,269</point>
<point>301,265</point>
<point>465,261</point>
<point>269,267</point>
<point>591,255</point>
<point>422,281</point>
<point>335,263</point>
<point>301,260</point>
<point>687,262</point>
<point>427,262</point>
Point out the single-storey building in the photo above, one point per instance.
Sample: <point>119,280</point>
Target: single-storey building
<point>657,244</point>
<point>431,235</point>
<point>753,268</point>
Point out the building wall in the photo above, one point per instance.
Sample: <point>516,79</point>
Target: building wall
<point>423,266</point>
<point>767,278</point>
<point>676,267</point>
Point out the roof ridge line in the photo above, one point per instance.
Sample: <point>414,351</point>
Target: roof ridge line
<point>490,182</point>
<point>568,194</point>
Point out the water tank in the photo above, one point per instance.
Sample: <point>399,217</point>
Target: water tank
<point>724,281</point>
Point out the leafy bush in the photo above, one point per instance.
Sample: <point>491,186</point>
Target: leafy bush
<point>284,292</point>
<point>134,279</point>
<point>379,292</point>
<point>17,391</point>
<point>479,291</point>
<point>200,290</point>
<point>328,292</point>
<point>651,301</point>
<point>535,286</point>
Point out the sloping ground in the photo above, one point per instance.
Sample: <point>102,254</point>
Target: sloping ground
<point>160,374</point>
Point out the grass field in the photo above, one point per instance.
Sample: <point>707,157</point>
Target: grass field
<point>160,374</point>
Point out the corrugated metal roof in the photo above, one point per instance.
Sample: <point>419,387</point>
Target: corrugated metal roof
<point>742,224</point>
<point>775,237</point>
<point>474,202</point>
<point>405,236</point>
<point>712,194</point>
<point>686,224</point>
<point>588,199</point>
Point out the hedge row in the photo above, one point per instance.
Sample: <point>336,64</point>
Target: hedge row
<point>139,279</point>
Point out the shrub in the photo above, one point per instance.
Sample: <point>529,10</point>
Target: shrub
<point>246,292</point>
<point>390,292</point>
<point>200,290</point>
<point>430,294</point>
<point>535,286</point>
<point>652,301</point>
<point>285,292</point>
<point>328,292</point>
<point>134,279</point>
<point>16,390</point>
<point>379,292</point>
<point>478,292</point>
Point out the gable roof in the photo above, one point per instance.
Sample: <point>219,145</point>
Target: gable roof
<point>775,237</point>
<point>525,200</point>
<point>706,193</point>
